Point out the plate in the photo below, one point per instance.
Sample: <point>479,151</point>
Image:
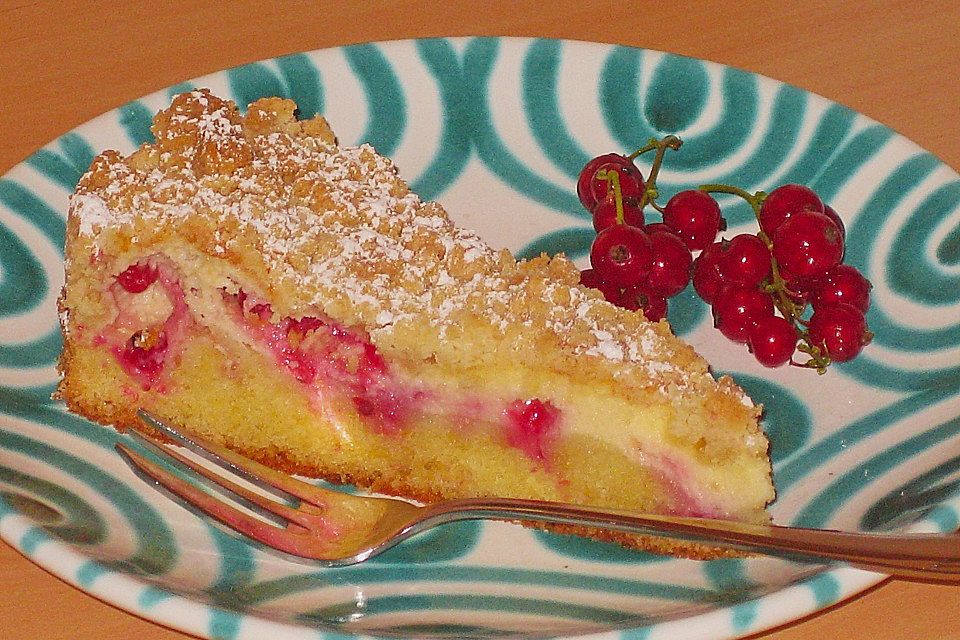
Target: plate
<point>498,129</point>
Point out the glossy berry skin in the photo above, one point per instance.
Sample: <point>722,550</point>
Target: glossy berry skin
<point>640,297</point>
<point>658,227</point>
<point>587,174</point>
<point>837,220</point>
<point>773,341</point>
<point>605,214</point>
<point>137,277</point>
<point>745,260</point>
<point>840,330</point>
<point>590,278</point>
<point>611,293</point>
<point>695,217</point>
<point>622,255</point>
<point>737,309</point>
<point>807,244</point>
<point>670,272</point>
<point>783,202</point>
<point>707,280</point>
<point>592,190</point>
<point>844,284</point>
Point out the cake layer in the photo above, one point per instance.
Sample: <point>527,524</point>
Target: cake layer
<point>255,282</point>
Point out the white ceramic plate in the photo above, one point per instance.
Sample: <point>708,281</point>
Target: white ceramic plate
<point>498,129</point>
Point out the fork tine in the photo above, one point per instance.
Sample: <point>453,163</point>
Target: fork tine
<point>259,474</point>
<point>253,498</point>
<point>254,528</point>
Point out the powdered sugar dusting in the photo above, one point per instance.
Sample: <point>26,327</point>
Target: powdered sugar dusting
<point>92,213</point>
<point>606,346</point>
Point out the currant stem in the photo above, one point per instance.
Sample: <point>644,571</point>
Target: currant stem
<point>651,193</point>
<point>613,181</point>
<point>818,360</point>
<point>652,144</point>
<point>753,199</point>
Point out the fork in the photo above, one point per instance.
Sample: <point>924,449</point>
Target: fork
<point>337,529</point>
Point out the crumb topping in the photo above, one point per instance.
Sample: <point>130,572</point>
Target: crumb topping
<point>334,229</point>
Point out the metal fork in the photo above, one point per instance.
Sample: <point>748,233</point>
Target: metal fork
<point>336,528</point>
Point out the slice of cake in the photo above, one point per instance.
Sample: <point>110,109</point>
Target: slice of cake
<point>251,280</point>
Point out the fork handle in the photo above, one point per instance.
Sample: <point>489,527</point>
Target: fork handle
<point>919,556</point>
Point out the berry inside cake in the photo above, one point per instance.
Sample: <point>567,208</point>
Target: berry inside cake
<point>250,279</point>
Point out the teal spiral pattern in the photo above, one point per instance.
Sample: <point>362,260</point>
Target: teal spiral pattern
<point>498,128</point>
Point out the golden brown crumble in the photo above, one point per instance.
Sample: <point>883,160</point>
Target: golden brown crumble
<point>330,229</point>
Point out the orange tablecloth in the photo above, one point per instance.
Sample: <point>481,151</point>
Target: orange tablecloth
<point>64,62</point>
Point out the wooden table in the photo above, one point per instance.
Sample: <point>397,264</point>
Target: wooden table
<point>64,62</point>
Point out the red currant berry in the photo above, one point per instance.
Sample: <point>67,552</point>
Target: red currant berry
<point>622,255</point>
<point>263,311</point>
<point>695,217</point>
<point>304,326</point>
<point>592,190</point>
<point>843,283</point>
<point>605,214</point>
<point>800,290</point>
<point>653,304</point>
<point>670,272</point>
<point>590,278</point>
<point>137,277</point>
<point>773,340</point>
<point>837,220</point>
<point>783,202</point>
<point>807,244</point>
<point>840,330</point>
<point>532,424</point>
<point>745,260</point>
<point>658,227</point>
<point>145,351</point>
<point>611,293</point>
<point>707,280</point>
<point>738,308</point>
<point>589,172</point>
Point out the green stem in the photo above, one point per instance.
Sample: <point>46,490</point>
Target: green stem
<point>753,199</point>
<point>652,144</point>
<point>650,193</point>
<point>613,181</point>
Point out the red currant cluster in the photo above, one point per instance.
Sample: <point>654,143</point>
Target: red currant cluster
<point>781,291</point>
<point>636,265</point>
